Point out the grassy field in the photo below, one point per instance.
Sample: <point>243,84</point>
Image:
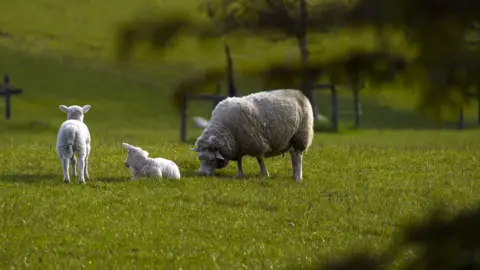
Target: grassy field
<point>358,189</point>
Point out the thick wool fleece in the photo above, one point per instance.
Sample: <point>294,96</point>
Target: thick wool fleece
<point>263,124</point>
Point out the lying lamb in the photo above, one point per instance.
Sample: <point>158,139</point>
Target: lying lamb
<point>260,125</point>
<point>74,136</point>
<point>141,165</point>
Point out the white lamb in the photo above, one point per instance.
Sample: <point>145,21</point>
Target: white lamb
<point>260,125</point>
<point>72,137</point>
<point>142,166</point>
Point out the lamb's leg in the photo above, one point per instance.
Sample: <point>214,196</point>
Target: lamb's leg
<point>66,177</point>
<point>263,169</point>
<point>86,162</point>
<point>81,169</point>
<point>296,157</point>
<point>134,173</point>
<point>73,163</point>
<point>239,169</point>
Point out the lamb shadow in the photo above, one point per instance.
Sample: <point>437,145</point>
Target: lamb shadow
<point>28,178</point>
<point>111,179</point>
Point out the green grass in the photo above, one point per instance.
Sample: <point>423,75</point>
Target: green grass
<point>376,179</point>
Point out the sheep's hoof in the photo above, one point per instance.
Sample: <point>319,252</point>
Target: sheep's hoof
<point>298,179</point>
<point>81,181</point>
<point>66,181</point>
<point>239,176</point>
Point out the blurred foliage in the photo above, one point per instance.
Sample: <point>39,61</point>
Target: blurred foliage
<point>442,242</point>
<point>444,33</point>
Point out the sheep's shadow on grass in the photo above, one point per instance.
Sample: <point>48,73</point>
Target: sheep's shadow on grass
<point>28,178</point>
<point>226,176</point>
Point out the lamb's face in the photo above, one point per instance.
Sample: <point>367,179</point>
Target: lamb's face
<point>75,112</point>
<point>134,154</point>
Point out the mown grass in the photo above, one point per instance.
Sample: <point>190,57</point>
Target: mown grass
<point>358,188</point>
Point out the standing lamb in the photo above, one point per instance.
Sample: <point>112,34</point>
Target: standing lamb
<point>72,137</point>
<point>260,125</point>
<point>141,165</point>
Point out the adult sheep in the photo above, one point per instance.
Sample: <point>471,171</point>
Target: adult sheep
<point>261,125</point>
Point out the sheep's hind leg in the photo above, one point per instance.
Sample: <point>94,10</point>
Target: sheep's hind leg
<point>296,157</point>
<point>263,169</point>
<point>73,163</point>
<point>239,169</point>
<point>81,169</point>
<point>66,177</point>
<point>86,162</point>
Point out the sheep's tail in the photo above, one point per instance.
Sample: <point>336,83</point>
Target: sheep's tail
<point>69,142</point>
<point>70,149</point>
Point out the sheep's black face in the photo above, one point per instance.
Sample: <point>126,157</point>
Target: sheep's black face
<point>221,163</point>
<point>209,162</point>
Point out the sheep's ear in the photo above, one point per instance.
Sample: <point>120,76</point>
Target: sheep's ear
<point>195,149</point>
<point>86,108</point>
<point>219,156</point>
<point>63,108</point>
<point>145,153</point>
<point>127,146</point>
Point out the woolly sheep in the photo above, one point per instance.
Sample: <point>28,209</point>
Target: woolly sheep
<point>141,165</point>
<point>72,137</point>
<point>260,125</point>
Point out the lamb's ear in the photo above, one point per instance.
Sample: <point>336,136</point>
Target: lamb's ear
<point>219,156</point>
<point>86,108</point>
<point>127,146</point>
<point>63,108</point>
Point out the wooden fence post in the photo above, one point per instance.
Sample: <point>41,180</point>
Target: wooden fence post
<point>356,105</point>
<point>334,108</point>
<point>183,119</point>
<point>460,119</point>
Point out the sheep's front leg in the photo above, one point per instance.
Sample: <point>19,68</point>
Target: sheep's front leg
<point>263,169</point>
<point>73,163</point>
<point>239,169</point>
<point>66,177</point>
<point>296,165</point>
<point>81,169</point>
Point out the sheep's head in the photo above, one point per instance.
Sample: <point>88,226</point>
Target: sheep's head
<point>134,154</point>
<point>75,112</point>
<point>209,156</point>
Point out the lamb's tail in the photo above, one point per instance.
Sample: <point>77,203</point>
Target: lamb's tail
<point>66,150</point>
<point>70,148</point>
